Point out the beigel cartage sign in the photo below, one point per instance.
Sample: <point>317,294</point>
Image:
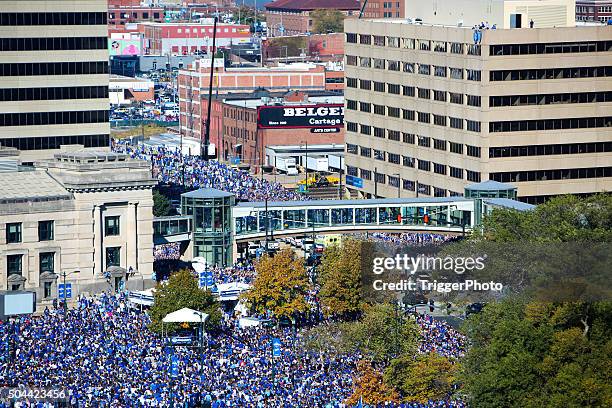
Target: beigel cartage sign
<point>320,116</point>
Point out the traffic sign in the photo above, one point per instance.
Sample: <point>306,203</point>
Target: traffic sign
<point>174,362</point>
<point>64,291</point>
<point>206,279</point>
<point>276,347</point>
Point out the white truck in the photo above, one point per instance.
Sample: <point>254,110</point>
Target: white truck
<point>335,162</point>
<point>317,163</point>
<point>286,165</point>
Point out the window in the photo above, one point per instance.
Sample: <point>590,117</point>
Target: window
<point>379,109</point>
<point>473,151</point>
<point>424,69</point>
<point>393,89</point>
<point>53,68</point>
<point>424,141</point>
<point>393,112</point>
<point>551,48</point>
<point>393,42</point>
<point>351,126</point>
<point>45,230</point>
<point>13,233</point>
<point>408,114</point>
<point>351,38</point>
<point>408,90</point>
<point>351,60</point>
<point>44,94</point>
<point>63,18</point>
<point>379,86</point>
<point>351,104</point>
<point>456,172</point>
<point>472,74</point>
<point>53,118</point>
<point>408,185</point>
<point>394,181</point>
<point>47,290</point>
<point>424,165</point>
<point>351,148</point>
<point>393,135</point>
<point>456,148</point>
<point>379,155</point>
<point>439,95</point>
<point>408,43</point>
<point>439,120</point>
<point>408,138</point>
<point>456,98</point>
<point>424,45</point>
<point>46,262</point>
<point>473,100</point>
<point>439,144</point>
<point>111,226</point>
<point>379,63</point>
<point>439,192</point>
<point>379,132</point>
<point>113,256</point>
<point>439,46</point>
<point>456,123</point>
<point>473,49</point>
<point>365,151</point>
<point>551,124</point>
<point>379,40</point>
<point>473,125</point>
<point>456,48</point>
<point>351,171</point>
<point>393,65</point>
<point>439,168</point>
<point>365,174</point>
<point>424,117</point>
<point>393,158</point>
<point>365,84</point>
<point>424,93</point>
<point>53,43</point>
<point>424,189</point>
<point>380,177</point>
<point>439,71</point>
<point>556,73</point>
<point>14,264</point>
<point>408,67</point>
<point>550,99</point>
<point>550,149</point>
<point>408,161</point>
<point>456,73</point>
<point>473,176</point>
<point>365,62</point>
<point>54,142</point>
<point>365,107</point>
<point>351,82</point>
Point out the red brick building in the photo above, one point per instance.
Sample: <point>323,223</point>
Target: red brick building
<point>314,48</point>
<point>594,10</point>
<point>291,17</point>
<point>122,12</point>
<point>384,9</point>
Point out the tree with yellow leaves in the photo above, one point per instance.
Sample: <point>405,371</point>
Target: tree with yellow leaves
<point>370,388</point>
<point>280,287</point>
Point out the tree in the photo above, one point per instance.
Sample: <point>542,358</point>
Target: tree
<point>426,377</point>
<point>370,388</point>
<point>280,287</point>
<point>161,205</point>
<point>341,280</point>
<point>382,333</point>
<point>327,21</point>
<point>181,291</point>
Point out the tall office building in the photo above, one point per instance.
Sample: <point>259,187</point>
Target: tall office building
<point>434,103</point>
<point>53,76</point>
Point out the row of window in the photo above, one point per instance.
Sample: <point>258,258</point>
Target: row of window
<point>53,43</point>
<point>414,44</point>
<point>55,142</point>
<point>53,118</point>
<point>551,48</point>
<point>556,174</point>
<point>422,117</point>
<point>54,68</point>
<point>45,232</point>
<point>46,94</point>
<point>551,149</point>
<point>56,19</point>
<point>550,124</point>
<point>412,68</point>
<point>550,99</point>
<point>550,73</point>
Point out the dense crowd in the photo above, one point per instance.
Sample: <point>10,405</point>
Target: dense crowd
<point>440,338</point>
<point>406,238</point>
<point>171,250</point>
<point>170,167</point>
<point>242,272</point>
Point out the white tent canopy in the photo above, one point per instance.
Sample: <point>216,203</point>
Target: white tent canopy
<point>185,315</point>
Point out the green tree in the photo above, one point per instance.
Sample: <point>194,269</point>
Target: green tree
<point>181,291</point>
<point>281,285</point>
<point>426,377</point>
<point>327,21</point>
<point>382,333</point>
<point>341,280</point>
<point>161,205</point>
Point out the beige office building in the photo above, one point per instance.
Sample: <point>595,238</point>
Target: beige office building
<point>53,76</point>
<point>432,107</point>
<point>85,214</point>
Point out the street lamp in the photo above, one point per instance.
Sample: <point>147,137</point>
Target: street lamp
<point>63,274</point>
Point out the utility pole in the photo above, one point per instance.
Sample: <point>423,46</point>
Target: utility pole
<point>204,154</point>
<point>306,165</point>
<point>375,182</point>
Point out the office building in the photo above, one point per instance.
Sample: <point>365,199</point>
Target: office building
<point>433,107</point>
<point>53,76</point>
<point>594,10</point>
<point>383,9</point>
<point>87,214</point>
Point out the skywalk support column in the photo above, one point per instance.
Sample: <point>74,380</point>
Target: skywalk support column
<point>132,236</point>
<point>97,238</point>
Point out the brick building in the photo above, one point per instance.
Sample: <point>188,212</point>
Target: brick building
<point>122,12</point>
<point>290,17</point>
<point>187,38</point>
<point>314,47</point>
<point>594,10</point>
<point>383,9</point>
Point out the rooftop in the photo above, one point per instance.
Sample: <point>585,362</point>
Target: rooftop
<point>30,186</point>
<point>490,185</point>
<point>254,103</point>
<point>308,5</point>
<point>207,193</point>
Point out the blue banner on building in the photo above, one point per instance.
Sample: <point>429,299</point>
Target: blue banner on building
<point>354,181</point>
<point>276,347</point>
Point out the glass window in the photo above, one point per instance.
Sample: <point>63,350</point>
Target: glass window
<point>45,230</point>
<point>111,226</point>
<point>47,290</point>
<point>46,262</point>
<point>13,264</point>
<point>365,215</point>
<point>13,233</point>
<point>113,256</point>
<point>341,216</point>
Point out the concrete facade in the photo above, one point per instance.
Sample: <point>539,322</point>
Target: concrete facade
<point>529,107</point>
<point>100,208</point>
<point>54,76</point>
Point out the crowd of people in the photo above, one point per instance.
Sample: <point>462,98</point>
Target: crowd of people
<point>170,250</point>
<point>406,238</point>
<point>171,167</point>
<point>241,272</point>
<point>439,337</point>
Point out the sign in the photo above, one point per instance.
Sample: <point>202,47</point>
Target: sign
<point>319,116</point>
<point>354,181</point>
<point>64,292</point>
<point>276,347</point>
<point>206,279</point>
<point>174,363</point>
<point>325,130</point>
<point>121,46</point>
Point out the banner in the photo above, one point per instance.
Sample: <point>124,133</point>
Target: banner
<point>330,115</point>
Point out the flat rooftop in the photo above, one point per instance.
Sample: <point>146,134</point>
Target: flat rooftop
<point>34,185</point>
<point>254,103</point>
